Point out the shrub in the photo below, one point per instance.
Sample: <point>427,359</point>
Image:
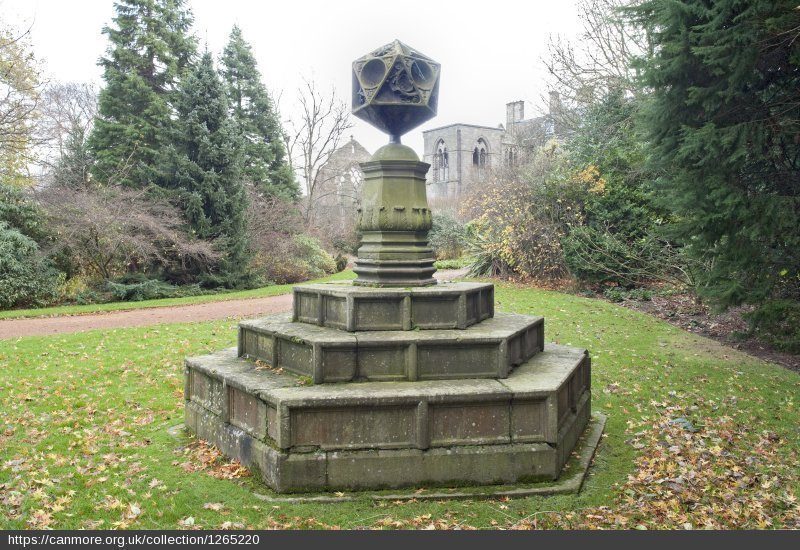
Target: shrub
<point>447,237</point>
<point>601,257</point>
<point>150,289</point>
<point>341,262</point>
<point>618,294</point>
<point>777,322</point>
<point>136,292</point>
<point>109,232</point>
<point>457,263</point>
<point>21,213</point>
<point>346,241</point>
<point>521,217</point>
<point>311,253</point>
<point>293,259</point>
<point>26,278</point>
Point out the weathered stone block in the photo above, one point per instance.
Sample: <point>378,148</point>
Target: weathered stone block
<point>470,424</point>
<point>484,465</point>
<point>353,428</point>
<point>247,412</point>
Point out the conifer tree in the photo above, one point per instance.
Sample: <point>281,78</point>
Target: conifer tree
<point>73,168</point>
<point>723,120</point>
<point>207,170</point>
<point>265,162</point>
<point>150,47</point>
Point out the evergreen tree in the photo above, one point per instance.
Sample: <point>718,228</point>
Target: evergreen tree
<point>723,121</point>
<point>606,142</point>
<point>265,163</point>
<point>620,237</point>
<point>206,170</point>
<point>73,168</point>
<point>150,49</point>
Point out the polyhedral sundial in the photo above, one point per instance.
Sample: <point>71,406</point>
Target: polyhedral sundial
<point>393,380</point>
<point>395,88</point>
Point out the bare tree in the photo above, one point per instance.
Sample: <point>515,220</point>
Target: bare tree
<point>113,230</point>
<point>66,111</point>
<point>314,137</point>
<point>599,59</point>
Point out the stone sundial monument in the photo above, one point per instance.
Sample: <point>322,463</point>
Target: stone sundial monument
<point>392,380</point>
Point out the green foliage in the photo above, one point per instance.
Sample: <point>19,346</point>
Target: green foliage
<point>73,168</point>
<point>602,257</point>
<point>206,166</point>
<point>295,258</point>
<point>310,252</point>
<point>140,288</point>
<point>521,234</point>
<point>619,237</point>
<point>20,85</point>
<point>19,212</point>
<point>347,241</point>
<point>723,117</point>
<point>298,258</point>
<point>447,237</point>
<point>26,279</point>
<point>608,152</point>
<point>777,322</point>
<point>455,263</point>
<point>618,294</point>
<point>257,122</point>
<point>341,262</point>
<point>150,48</point>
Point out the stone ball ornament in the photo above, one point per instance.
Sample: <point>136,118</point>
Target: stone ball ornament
<point>395,88</point>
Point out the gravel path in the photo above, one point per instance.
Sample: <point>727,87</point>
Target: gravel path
<point>251,307</point>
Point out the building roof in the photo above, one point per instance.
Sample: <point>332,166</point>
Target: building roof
<point>496,128</point>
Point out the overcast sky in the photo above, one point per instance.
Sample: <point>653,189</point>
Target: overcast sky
<point>490,50</point>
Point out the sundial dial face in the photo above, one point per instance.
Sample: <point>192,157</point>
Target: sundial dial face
<point>395,88</point>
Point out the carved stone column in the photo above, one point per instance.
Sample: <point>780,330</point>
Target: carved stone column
<point>394,220</point>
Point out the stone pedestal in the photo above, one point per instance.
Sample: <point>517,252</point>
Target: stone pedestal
<point>367,388</point>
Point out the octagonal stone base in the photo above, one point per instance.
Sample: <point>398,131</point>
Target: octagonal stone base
<point>357,308</point>
<point>392,434</point>
<point>486,350</point>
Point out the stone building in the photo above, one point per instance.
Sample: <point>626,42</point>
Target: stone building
<point>339,189</point>
<point>459,155</point>
<point>463,155</point>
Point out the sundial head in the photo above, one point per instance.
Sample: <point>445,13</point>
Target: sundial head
<point>395,88</point>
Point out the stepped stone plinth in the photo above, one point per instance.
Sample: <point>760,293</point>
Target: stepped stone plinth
<point>392,380</point>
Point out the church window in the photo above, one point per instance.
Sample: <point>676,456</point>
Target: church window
<point>441,161</point>
<point>483,150</point>
<point>480,154</point>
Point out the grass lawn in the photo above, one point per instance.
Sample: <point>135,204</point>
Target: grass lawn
<point>262,292</point>
<point>698,435</point>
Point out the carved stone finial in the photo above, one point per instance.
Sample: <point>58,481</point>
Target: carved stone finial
<point>395,88</point>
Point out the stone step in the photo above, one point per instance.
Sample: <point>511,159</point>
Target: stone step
<point>357,308</point>
<point>376,433</point>
<point>326,355</point>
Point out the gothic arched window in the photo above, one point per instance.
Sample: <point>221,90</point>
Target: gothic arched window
<point>480,154</point>
<point>511,158</point>
<point>441,162</point>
